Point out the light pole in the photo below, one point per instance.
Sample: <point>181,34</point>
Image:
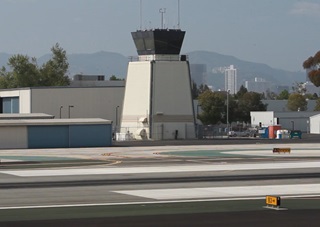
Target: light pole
<point>198,111</point>
<point>228,112</point>
<point>60,111</point>
<point>292,125</point>
<point>117,118</point>
<point>69,107</point>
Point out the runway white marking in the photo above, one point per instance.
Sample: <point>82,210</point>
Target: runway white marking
<point>225,192</point>
<point>161,169</point>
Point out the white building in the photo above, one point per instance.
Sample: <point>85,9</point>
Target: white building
<point>315,124</point>
<point>231,83</point>
<point>259,85</point>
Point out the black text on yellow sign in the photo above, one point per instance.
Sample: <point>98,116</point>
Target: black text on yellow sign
<point>273,200</point>
<point>281,150</point>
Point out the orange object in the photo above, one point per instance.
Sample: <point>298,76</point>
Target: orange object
<point>273,130</point>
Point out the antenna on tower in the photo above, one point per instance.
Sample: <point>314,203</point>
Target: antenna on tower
<point>162,11</point>
<point>141,15</point>
<point>178,14</point>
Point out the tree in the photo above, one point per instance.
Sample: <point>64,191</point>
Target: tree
<point>54,71</point>
<point>113,77</point>
<point>313,96</point>
<point>317,107</point>
<point>270,95</point>
<point>312,64</point>
<point>300,88</point>
<point>25,71</point>
<point>203,88</point>
<point>213,107</point>
<point>297,102</point>
<point>194,90</point>
<point>6,79</point>
<point>197,91</point>
<point>250,101</point>
<point>284,95</point>
<point>241,92</point>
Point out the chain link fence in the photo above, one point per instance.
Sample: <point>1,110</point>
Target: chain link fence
<point>159,132</point>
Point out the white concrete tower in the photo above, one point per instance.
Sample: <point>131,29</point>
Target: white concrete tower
<point>158,103</point>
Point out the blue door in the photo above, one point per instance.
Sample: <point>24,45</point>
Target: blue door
<point>48,136</point>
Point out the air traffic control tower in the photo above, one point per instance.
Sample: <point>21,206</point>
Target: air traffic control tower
<point>157,103</point>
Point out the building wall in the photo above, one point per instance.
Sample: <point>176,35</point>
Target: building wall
<point>287,120</point>
<point>136,103</point>
<point>172,104</point>
<point>160,92</point>
<point>23,95</point>
<point>55,133</point>
<point>94,102</point>
<point>13,137</point>
<point>63,136</point>
<point>25,101</point>
<point>315,124</point>
<point>296,120</point>
<point>265,117</point>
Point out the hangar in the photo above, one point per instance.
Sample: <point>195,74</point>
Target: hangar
<point>55,133</point>
<point>58,117</point>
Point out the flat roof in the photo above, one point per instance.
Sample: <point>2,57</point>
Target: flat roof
<point>25,116</point>
<point>71,121</point>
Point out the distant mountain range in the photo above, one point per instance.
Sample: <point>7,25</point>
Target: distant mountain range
<point>108,64</point>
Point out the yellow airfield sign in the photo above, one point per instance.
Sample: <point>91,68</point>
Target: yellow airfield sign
<point>273,200</point>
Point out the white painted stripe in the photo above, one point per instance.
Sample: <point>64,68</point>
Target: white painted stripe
<point>142,203</point>
<point>162,169</point>
<point>225,192</point>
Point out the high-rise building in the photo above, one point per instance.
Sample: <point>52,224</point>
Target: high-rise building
<point>198,73</point>
<point>231,83</point>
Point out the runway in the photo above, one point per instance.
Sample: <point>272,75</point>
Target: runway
<point>152,178</point>
<point>163,169</point>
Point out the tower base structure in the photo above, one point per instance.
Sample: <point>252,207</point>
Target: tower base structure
<point>158,103</point>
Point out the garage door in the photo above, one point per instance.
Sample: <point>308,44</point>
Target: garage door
<point>90,135</point>
<point>48,136</point>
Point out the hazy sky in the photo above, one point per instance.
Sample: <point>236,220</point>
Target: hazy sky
<point>280,33</point>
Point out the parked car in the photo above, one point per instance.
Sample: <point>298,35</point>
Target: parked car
<point>239,134</point>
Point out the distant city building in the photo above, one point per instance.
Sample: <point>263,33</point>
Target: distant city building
<point>198,73</point>
<point>231,83</point>
<point>278,89</point>
<point>259,85</point>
